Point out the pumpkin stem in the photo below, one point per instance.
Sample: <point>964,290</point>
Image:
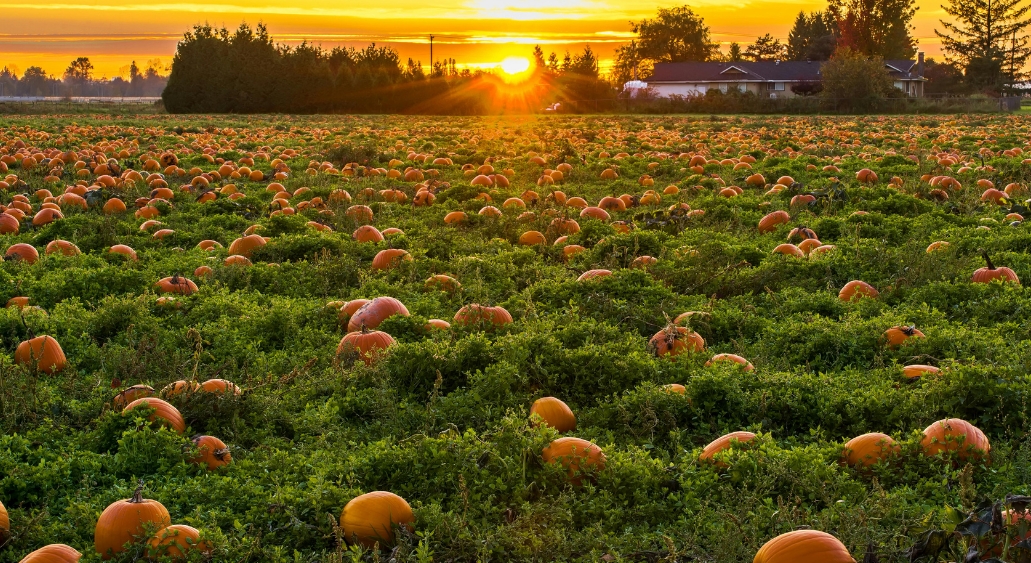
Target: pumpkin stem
<point>365,329</point>
<point>137,495</point>
<point>220,455</point>
<point>987,260</point>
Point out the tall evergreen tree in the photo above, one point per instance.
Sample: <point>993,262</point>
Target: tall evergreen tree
<point>812,37</point>
<point>766,48</point>
<point>989,40</point>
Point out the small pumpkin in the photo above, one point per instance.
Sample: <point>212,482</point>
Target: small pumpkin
<point>389,258</point>
<point>731,358</point>
<point>898,335</point>
<point>367,344</point>
<point>770,221</point>
<point>42,352</point>
<point>211,452</point>
<point>723,443</point>
<point>554,413</point>
<point>125,521</point>
<point>22,252</point>
<point>370,518</point>
<point>245,246</point>
<point>475,315</point>
<point>919,370</point>
<point>131,394</point>
<point>176,542</point>
<point>856,289</point>
<point>442,282</point>
<point>163,412</point>
<point>593,274</point>
<point>367,233</point>
<point>176,284</point>
<point>220,387</point>
<point>868,449</point>
<point>576,455</point>
<point>990,273</point>
<point>675,340</point>
<point>803,546</point>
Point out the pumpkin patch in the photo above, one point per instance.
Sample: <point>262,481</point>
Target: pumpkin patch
<point>523,338</point>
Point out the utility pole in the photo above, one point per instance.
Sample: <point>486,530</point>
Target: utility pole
<point>431,55</point>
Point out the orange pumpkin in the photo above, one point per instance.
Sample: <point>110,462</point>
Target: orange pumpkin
<point>788,249</point>
<point>220,387</point>
<point>868,449</point>
<point>22,252</point>
<point>211,452</point>
<point>803,546</point>
<point>176,541</point>
<point>163,412</point>
<point>375,312</point>
<point>990,273</point>
<point>370,518</point>
<point>919,370</point>
<point>367,233</point>
<point>592,274</point>
<point>124,251</point>
<point>62,247</point>
<point>723,443</point>
<point>389,258</point>
<point>770,221</point>
<point>367,344</point>
<point>732,358</point>
<point>442,282</point>
<point>554,413</point>
<point>955,435</point>
<point>53,553</point>
<point>245,246</point>
<point>478,315</point>
<point>675,340</point>
<point>124,521</point>
<point>530,238</point>
<point>5,524</point>
<point>176,284</point>
<point>350,308</point>
<point>131,394</point>
<point>856,289</point>
<point>43,353</point>
<point>898,335</point>
<point>576,455</point>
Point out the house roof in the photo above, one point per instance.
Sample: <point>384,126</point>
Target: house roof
<point>762,71</point>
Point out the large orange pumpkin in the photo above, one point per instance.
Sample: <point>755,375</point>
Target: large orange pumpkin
<point>131,394</point>
<point>375,312</point>
<point>176,541</point>
<point>368,344</point>
<point>350,308</point>
<point>367,233</point>
<point>769,222</point>
<point>62,247</point>
<point>955,435</point>
<point>370,518</point>
<point>803,546</point>
<point>42,352</point>
<point>868,449</point>
<point>22,252</point>
<point>53,553</point>
<point>576,455</point>
<point>125,521</point>
<point>5,524</point>
<point>555,413</point>
<point>163,412</point>
<point>211,452</point>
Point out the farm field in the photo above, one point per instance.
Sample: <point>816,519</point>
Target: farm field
<point>643,266</point>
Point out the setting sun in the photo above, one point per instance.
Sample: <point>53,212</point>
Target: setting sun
<point>515,65</point>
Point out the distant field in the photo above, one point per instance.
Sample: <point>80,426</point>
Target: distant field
<point>664,211</point>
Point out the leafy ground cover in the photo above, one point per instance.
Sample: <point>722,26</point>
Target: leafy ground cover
<point>441,417</point>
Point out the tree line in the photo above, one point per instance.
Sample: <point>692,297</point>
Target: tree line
<point>245,71</point>
<point>79,79</point>
<point>986,45</point>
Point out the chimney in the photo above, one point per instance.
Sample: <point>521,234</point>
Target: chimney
<point>920,63</point>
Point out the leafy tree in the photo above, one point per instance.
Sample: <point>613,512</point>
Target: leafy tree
<point>585,64</point>
<point>675,35</point>
<point>856,81</point>
<point>766,48</point>
<point>876,28</point>
<point>989,39</point>
<point>812,37</point>
<point>628,64</point>
<point>34,82</point>
<point>79,71</point>
<point>944,78</point>
<point>553,65</point>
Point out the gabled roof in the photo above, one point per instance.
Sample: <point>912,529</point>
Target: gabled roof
<point>762,71</point>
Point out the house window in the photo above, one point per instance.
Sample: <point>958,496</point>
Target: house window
<point>724,86</point>
<point>779,86</point>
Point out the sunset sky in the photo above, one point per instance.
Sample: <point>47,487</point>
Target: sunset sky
<point>478,33</point>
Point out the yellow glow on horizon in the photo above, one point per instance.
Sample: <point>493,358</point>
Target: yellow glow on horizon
<point>515,65</point>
